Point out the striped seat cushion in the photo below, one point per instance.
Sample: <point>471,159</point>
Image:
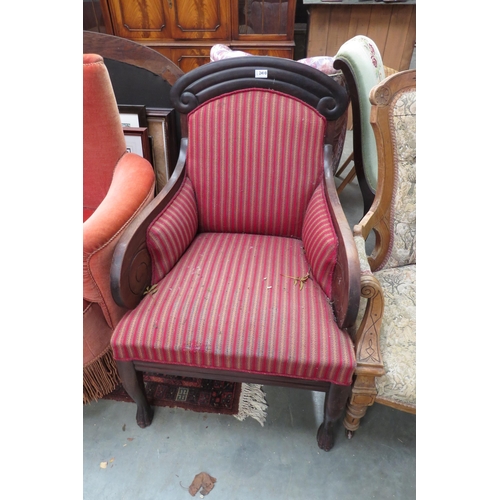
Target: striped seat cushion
<point>255,158</point>
<point>230,303</point>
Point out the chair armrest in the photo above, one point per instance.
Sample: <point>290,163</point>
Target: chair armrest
<point>367,335</point>
<point>131,189</point>
<point>131,266</point>
<point>346,275</point>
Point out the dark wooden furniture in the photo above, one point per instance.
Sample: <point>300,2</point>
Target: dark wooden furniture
<point>391,25</point>
<point>184,32</point>
<point>386,324</point>
<point>243,323</point>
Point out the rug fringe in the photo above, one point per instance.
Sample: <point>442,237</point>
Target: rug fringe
<point>100,377</point>
<point>252,403</point>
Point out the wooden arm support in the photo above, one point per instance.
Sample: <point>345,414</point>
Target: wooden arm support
<point>346,277</point>
<point>369,364</point>
<point>131,267</point>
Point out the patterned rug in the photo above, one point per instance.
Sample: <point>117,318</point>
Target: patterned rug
<point>201,395</point>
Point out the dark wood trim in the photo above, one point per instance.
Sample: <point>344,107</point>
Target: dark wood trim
<point>346,279</point>
<point>367,193</point>
<point>131,268</point>
<point>284,75</point>
<point>127,51</point>
<point>232,376</point>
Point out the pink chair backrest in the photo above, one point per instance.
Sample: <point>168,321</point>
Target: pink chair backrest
<point>255,158</point>
<point>103,138</point>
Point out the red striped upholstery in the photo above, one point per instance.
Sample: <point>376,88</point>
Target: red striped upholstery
<point>172,231</point>
<point>256,174</point>
<point>320,240</point>
<point>230,304</point>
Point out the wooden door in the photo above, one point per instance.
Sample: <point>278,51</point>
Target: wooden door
<point>205,19</point>
<point>187,58</point>
<point>144,20</point>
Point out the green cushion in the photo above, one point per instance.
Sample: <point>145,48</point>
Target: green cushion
<point>364,58</point>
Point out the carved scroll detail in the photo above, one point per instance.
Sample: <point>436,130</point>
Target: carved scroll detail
<point>138,275</point>
<point>368,350</point>
<point>382,96</point>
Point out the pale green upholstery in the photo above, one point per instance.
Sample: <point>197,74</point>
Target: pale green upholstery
<point>362,57</point>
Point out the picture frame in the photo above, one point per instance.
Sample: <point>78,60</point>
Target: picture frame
<point>132,115</point>
<point>137,141</point>
<point>163,131</point>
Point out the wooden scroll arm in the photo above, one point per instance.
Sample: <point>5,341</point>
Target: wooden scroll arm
<point>131,266</point>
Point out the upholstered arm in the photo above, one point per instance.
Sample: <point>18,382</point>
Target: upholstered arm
<point>132,187</point>
<point>133,267</point>
<point>336,269</point>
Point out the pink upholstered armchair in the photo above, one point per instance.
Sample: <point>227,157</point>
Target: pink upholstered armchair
<point>116,186</point>
<point>244,267</point>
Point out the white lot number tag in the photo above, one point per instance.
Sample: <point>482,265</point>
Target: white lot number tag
<point>261,73</point>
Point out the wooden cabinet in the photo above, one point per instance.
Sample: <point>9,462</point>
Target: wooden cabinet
<point>184,31</point>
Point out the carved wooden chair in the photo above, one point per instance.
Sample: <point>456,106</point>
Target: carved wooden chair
<point>116,186</point>
<point>361,63</point>
<point>244,267</point>
<point>386,324</point>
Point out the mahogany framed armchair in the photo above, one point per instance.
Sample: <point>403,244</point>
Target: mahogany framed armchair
<point>386,325</point>
<point>116,186</point>
<point>244,267</point>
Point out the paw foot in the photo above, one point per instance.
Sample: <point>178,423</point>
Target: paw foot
<point>325,437</point>
<point>144,416</point>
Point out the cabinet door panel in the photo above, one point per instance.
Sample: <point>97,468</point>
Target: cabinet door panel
<point>188,58</point>
<point>208,19</point>
<point>284,52</point>
<point>140,20</point>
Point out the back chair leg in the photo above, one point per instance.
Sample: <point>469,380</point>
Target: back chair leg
<point>335,402</point>
<point>134,385</point>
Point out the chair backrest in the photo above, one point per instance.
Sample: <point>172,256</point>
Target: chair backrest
<point>103,138</point>
<point>393,214</point>
<point>256,145</point>
<point>360,60</point>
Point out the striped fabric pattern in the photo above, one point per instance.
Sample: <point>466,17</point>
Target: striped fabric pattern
<point>231,303</point>
<point>253,168</point>
<point>172,231</point>
<point>320,240</point>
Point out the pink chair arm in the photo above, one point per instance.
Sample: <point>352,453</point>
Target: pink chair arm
<point>132,188</point>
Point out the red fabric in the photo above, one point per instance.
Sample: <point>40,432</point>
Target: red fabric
<point>231,303</point>
<point>257,173</point>
<point>320,240</point>
<point>131,189</point>
<point>117,185</point>
<point>103,139</point>
<point>172,231</point>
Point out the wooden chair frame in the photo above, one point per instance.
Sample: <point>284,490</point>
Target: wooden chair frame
<point>127,51</point>
<point>131,267</point>
<point>369,357</point>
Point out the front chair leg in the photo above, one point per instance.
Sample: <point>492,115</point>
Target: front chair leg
<point>135,389</point>
<point>335,402</point>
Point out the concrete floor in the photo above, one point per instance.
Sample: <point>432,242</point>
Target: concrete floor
<point>280,461</point>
